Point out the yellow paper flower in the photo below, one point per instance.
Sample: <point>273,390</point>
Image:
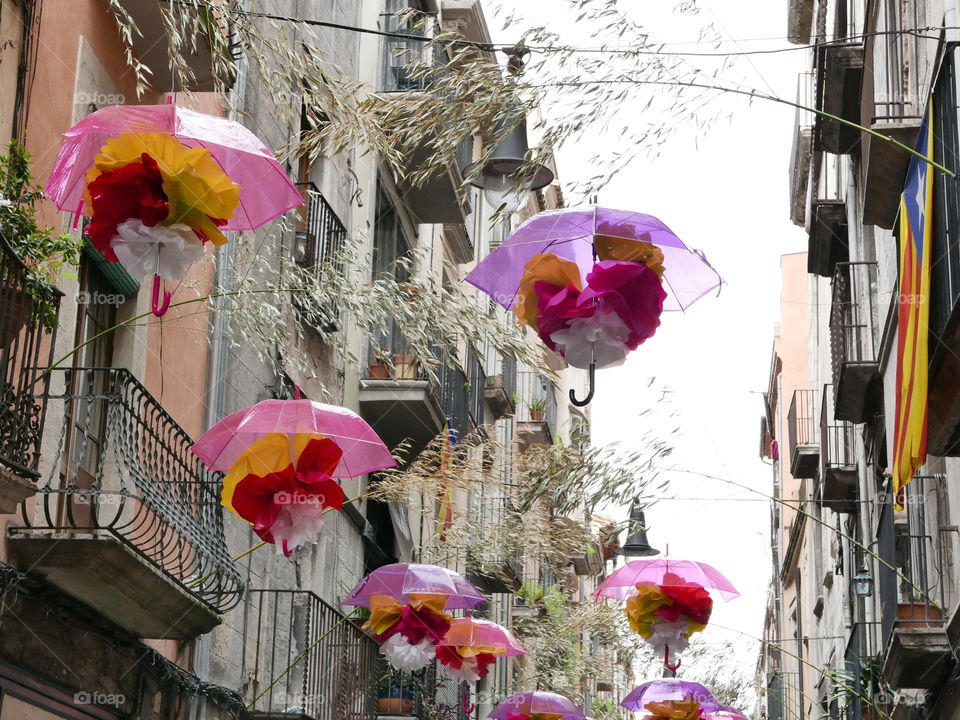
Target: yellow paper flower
<point>686,709</point>
<point>642,608</point>
<point>270,454</point>
<point>474,650</point>
<point>385,612</point>
<point>543,267</point>
<point>196,186</point>
<point>614,248</point>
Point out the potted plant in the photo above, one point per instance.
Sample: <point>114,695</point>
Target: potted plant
<point>43,253</point>
<point>394,696</point>
<point>494,381</point>
<point>537,408</point>
<point>404,367</point>
<point>918,615</point>
<point>528,600</point>
<point>379,369</point>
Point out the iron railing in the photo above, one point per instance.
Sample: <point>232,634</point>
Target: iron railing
<point>427,694</point>
<point>837,437</point>
<point>508,372</point>
<point>410,64</point>
<point>853,315</point>
<point>538,401</point>
<point>28,319</point>
<point>497,546</point>
<point>478,383</point>
<point>895,55</point>
<point>309,660</point>
<point>319,240</point>
<point>802,426</point>
<point>123,465</point>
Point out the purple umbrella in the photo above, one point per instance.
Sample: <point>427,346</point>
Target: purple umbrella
<point>725,713</point>
<point>570,234</point>
<point>583,235</point>
<point>529,703</point>
<point>670,689</point>
<point>401,580</point>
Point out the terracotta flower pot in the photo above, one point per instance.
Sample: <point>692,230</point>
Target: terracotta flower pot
<point>394,706</point>
<point>918,615</point>
<point>404,367</point>
<point>536,415</point>
<point>379,371</point>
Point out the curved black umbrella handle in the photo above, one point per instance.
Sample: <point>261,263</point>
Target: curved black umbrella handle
<point>586,401</point>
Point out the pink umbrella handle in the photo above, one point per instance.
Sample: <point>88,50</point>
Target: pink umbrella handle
<point>666,660</point>
<point>159,309</point>
<point>468,706</point>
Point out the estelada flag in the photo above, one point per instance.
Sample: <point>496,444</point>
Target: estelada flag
<point>916,246</point>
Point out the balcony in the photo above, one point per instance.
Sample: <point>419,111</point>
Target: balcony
<point>319,240</point>
<point>128,521</point>
<point>495,558</point>
<point>839,485</point>
<point>403,401</point>
<point>803,433</point>
<point>799,21</point>
<point>327,668</point>
<point>802,150</point>
<point>589,562</point>
<point>828,216</point>
<point>839,71</point>
<point>151,43</point>
<point>501,388</point>
<point>536,413</point>
<point>425,695</point>
<point>888,110</point>
<point>441,198</point>
<point>853,342</point>
<point>25,346</point>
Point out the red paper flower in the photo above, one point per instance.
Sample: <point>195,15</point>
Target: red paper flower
<point>131,192</point>
<point>633,291</point>
<point>262,499</point>
<point>416,624</point>
<point>689,600</point>
<point>556,307</point>
<point>452,659</point>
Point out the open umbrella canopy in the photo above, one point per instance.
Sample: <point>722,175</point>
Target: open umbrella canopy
<point>664,571</point>
<point>363,450</point>
<point>537,703</point>
<point>670,690</point>
<point>472,632</point>
<point>401,580</point>
<point>265,189</point>
<point>576,233</point>
<point>725,713</point>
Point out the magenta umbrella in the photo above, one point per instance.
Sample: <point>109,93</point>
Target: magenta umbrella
<point>529,703</point>
<point>570,233</point>
<point>363,450</point>
<point>400,580</point>
<point>725,713</point>
<point>265,189</point>
<point>668,689</point>
<point>663,571</point>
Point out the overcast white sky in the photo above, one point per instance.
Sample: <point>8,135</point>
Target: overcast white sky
<point>724,192</point>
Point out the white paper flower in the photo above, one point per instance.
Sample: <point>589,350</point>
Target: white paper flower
<point>297,524</point>
<point>467,672</point>
<point>672,634</point>
<point>602,337</point>
<point>167,251</point>
<point>406,657</point>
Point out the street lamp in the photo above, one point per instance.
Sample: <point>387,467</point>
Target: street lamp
<point>862,582</point>
<point>637,544</point>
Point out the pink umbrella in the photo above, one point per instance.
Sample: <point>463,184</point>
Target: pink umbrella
<point>400,580</point>
<point>363,450</point>
<point>725,713</point>
<point>670,690</point>
<point>475,632</point>
<point>526,704</point>
<point>265,189</point>
<point>623,582</point>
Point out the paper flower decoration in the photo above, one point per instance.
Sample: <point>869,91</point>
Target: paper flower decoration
<point>164,250</point>
<point>668,615</point>
<point>687,709</point>
<point>198,191</point>
<point>408,633</point>
<point>618,309</point>
<point>285,499</point>
<point>472,645</point>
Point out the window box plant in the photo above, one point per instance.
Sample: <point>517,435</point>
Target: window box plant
<point>537,408</point>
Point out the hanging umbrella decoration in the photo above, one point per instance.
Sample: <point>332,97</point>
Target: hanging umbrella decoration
<point>537,705</point>
<point>160,181</point>
<point>472,645</point>
<point>592,282</point>
<point>409,607</point>
<point>666,600</point>
<point>671,699</point>
<point>725,713</point>
<point>282,460</point>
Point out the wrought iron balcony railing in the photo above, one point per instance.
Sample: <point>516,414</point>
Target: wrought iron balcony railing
<point>478,384</point>
<point>537,400</point>
<point>853,338</point>
<point>28,318</point>
<point>803,433</point>
<point>320,239</point>
<point>123,465</point>
<point>425,695</point>
<point>321,666</point>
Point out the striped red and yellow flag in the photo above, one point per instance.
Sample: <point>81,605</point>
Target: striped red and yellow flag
<point>445,510</point>
<point>916,240</point>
